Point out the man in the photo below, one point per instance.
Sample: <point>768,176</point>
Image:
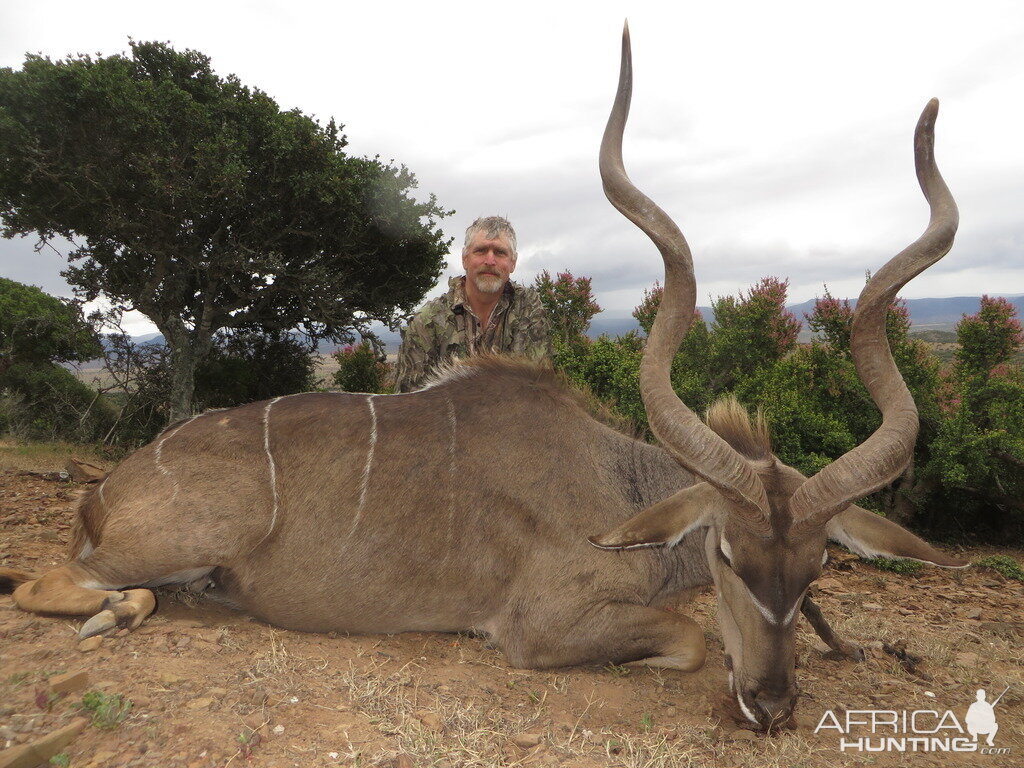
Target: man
<point>483,310</point>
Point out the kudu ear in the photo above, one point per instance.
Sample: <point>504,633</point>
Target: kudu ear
<point>666,522</point>
<point>871,535</point>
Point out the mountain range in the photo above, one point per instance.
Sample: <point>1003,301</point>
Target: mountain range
<point>925,315</point>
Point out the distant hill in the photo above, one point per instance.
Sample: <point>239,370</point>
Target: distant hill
<point>925,315</point>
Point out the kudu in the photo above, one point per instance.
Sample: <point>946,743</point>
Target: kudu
<point>468,505</point>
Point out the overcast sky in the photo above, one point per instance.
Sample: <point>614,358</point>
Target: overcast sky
<point>778,135</point>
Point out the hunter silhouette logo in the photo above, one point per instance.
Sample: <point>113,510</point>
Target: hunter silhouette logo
<point>981,717</point>
<point>919,730</point>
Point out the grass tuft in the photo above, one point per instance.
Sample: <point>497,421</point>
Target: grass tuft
<point>108,710</point>
<point>904,567</point>
<point>1003,564</point>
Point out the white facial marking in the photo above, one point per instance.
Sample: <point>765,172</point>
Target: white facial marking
<point>746,710</point>
<point>369,463</point>
<point>824,557</point>
<point>770,617</point>
<point>793,610</point>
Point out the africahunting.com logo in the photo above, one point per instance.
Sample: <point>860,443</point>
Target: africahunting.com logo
<point>918,730</point>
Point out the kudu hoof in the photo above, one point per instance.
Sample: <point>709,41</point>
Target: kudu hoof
<point>122,610</point>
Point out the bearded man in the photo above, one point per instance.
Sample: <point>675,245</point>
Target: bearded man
<point>482,312</point>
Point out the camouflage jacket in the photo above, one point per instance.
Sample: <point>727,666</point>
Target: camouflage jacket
<point>446,328</point>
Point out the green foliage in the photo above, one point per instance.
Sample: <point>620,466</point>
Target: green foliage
<point>569,304</point>
<point>249,366</point>
<point>968,471</point>
<point>38,328</point>
<point>976,462</point>
<point>44,401</point>
<point>1003,564</point>
<point>987,339</point>
<point>243,367</point>
<point>361,369</point>
<point>750,332</point>
<point>903,567</point>
<point>647,309</point>
<point>61,760</point>
<point>201,203</point>
<point>610,369</point>
<point>108,710</point>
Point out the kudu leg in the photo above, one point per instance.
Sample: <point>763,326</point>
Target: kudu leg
<point>620,633</point>
<point>838,644</point>
<point>65,591</point>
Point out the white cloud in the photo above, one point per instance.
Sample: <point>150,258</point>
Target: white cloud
<point>777,134</point>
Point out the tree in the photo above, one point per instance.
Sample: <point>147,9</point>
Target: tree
<point>243,366</point>
<point>37,328</point>
<point>199,202</point>
<point>988,339</point>
<point>41,398</point>
<point>977,457</point>
<point>750,332</point>
<point>569,303</point>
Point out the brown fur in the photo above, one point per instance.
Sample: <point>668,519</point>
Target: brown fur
<point>88,523</point>
<point>732,423</point>
<point>541,374</point>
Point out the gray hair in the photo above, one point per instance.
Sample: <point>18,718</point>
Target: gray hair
<point>492,227</point>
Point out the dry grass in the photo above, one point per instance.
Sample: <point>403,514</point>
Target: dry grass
<point>35,456</point>
<point>276,669</point>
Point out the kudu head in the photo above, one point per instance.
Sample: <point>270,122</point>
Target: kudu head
<point>765,523</point>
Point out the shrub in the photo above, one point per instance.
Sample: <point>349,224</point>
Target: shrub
<point>46,402</point>
<point>361,369</point>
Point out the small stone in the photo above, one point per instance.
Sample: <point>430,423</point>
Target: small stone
<point>90,643</point>
<point>217,693</point>
<point>169,678</point>
<point>973,613</point>
<point>70,682</point>
<point>277,730</point>
<point>404,761</point>
<point>526,740</point>
<point>873,606</point>
<point>201,703</point>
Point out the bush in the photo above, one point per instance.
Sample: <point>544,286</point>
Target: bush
<point>47,402</point>
<point>361,369</point>
<point>242,368</point>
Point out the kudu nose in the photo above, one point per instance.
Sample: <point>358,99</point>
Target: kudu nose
<point>775,707</point>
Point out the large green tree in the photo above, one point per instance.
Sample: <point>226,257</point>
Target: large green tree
<point>37,328</point>
<point>199,202</point>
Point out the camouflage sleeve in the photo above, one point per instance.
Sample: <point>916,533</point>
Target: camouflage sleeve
<point>413,356</point>
<point>532,336</point>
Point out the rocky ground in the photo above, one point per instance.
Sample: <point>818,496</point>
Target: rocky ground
<point>199,686</point>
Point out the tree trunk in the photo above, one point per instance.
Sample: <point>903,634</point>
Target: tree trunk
<point>188,349</point>
<point>183,382</point>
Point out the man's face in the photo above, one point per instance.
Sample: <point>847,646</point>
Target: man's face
<point>488,263</point>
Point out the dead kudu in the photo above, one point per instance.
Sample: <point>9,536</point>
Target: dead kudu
<point>473,504</point>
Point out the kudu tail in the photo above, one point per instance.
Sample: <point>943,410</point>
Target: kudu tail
<point>92,514</point>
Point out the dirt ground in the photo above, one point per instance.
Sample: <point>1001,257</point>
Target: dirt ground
<point>211,688</point>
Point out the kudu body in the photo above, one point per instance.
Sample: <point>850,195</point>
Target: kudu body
<point>468,505</point>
